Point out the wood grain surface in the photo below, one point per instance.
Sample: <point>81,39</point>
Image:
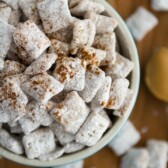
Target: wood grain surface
<point>150,115</point>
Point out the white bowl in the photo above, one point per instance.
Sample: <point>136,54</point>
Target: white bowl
<point>129,49</point>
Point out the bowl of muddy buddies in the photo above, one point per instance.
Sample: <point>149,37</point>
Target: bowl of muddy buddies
<point>69,78</point>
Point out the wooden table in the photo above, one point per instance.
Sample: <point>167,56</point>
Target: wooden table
<point>150,115</point>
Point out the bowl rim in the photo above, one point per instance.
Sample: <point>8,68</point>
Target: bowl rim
<point>117,126</point>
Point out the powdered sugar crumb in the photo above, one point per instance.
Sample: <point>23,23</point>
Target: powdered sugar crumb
<point>144,130</point>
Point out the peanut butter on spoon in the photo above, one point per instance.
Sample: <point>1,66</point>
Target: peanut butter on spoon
<point>157,74</point>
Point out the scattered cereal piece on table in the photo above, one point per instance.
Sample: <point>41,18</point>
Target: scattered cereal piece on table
<point>159,5</point>
<point>158,151</point>
<point>39,142</point>
<point>135,158</point>
<point>71,113</point>
<point>126,138</point>
<point>141,22</point>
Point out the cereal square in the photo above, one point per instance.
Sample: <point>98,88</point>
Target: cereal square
<point>62,49</point>
<point>141,22</point>
<point>5,12</point>
<point>104,24</point>
<point>31,38</point>
<point>124,107</point>
<point>12,3</point>
<point>86,5</point>
<point>53,155</point>
<point>71,113</point>
<point>159,5</point>
<point>92,130</point>
<point>121,68</point>
<point>135,158</point>
<point>118,93</point>
<point>71,72</point>
<point>83,35</point>
<point>126,138</point>
<point>62,136</point>
<point>106,42</point>
<point>73,147</point>
<point>10,142</point>
<point>13,100</point>
<point>94,80</point>
<point>158,151</point>
<point>29,9</point>
<point>55,14</point>
<point>41,64</point>
<point>102,96</point>
<point>91,55</point>
<point>42,87</point>
<point>6,31</point>
<point>39,142</point>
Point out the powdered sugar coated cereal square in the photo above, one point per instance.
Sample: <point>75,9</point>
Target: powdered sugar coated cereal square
<point>85,6</point>
<point>118,93</point>
<point>83,35</point>
<point>39,142</point>
<point>31,38</point>
<point>42,87</point>
<point>126,139</point>
<point>158,151</point>
<point>94,79</point>
<point>141,22</point>
<point>92,130</point>
<point>71,72</point>
<point>104,24</point>
<point>71,113</point>
<point>55,14</point>
<point>135,158</point>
